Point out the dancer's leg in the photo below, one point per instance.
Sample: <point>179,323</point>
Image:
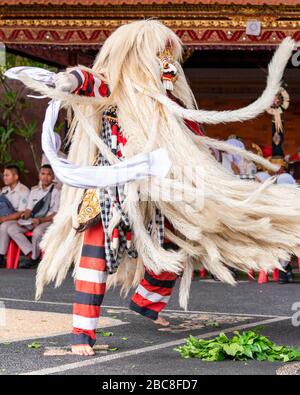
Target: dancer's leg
<point>89,291</point>
<point>154,291</point>
<point>153,294</point>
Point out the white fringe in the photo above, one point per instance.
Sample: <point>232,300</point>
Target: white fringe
<point>240,224</point>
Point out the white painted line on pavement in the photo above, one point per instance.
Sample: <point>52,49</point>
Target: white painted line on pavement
<point>234,314</point>
<point>36,302</point>
<point>108,358</point>
<point>167,310</point>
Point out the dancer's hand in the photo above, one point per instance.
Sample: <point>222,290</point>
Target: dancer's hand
<point>66,82</point>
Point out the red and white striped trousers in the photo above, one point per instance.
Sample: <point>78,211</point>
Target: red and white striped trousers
<point>151,296</point>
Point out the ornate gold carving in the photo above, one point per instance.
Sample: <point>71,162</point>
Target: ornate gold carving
<point>236,22</point>
<point>90,206</point>
<point>197,18</point>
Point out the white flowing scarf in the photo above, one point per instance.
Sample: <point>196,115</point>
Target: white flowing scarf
<point>155,163</point>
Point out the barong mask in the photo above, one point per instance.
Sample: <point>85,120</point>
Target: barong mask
<point>168,68</point>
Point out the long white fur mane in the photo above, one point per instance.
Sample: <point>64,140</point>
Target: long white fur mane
<point>240,224</point>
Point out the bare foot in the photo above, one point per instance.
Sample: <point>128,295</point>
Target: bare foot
<point>83,349</point>
<point>161,321</point>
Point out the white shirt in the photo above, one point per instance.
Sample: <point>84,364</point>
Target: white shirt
<point>18,196</point>
<point>37,193</point>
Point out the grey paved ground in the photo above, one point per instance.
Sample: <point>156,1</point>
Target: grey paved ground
<point>145,349</point>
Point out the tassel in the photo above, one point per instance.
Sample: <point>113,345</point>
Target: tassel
<point>114,137</point>
<point>115,239</point>
<point>128,239</point>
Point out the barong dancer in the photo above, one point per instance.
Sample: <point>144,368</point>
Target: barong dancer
<point>134,100</point>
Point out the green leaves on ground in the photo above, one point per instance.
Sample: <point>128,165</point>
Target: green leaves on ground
<point>34,345</point>
<point>248,345</point>
<point>106,334</point>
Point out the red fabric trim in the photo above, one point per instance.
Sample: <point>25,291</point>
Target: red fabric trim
<point>93,263</point>
<point>94,235</point>
<point>163,275</point>
<point>88,311</point>
<point>103,89</point>
<point>142,302</point>
<point>90,288</point>
<point>156,289</point>
<point>194,126</point>
<point>91,334</point>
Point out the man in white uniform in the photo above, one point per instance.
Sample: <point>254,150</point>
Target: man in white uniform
<point>17,194</point>
<point>35,221</point>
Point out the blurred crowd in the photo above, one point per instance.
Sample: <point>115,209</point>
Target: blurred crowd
<point>25,214</point>
<point>288,173</point>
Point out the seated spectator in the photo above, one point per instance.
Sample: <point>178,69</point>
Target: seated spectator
<point>43,203</point>
<point>230,161</point>
<point>13,201</point>
<point>237,165</point>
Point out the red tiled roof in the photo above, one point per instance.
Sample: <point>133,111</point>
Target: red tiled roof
<point>136,2</point>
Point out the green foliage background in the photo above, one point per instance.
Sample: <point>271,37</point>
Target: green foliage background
<point>12,108</point>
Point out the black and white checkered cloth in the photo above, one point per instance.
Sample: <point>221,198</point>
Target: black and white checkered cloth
<point>112,198</point>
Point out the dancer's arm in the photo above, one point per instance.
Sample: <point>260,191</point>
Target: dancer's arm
<point>81,82</point>
<point>88,84</point>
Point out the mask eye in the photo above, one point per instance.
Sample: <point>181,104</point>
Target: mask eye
<point>166,65</point>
